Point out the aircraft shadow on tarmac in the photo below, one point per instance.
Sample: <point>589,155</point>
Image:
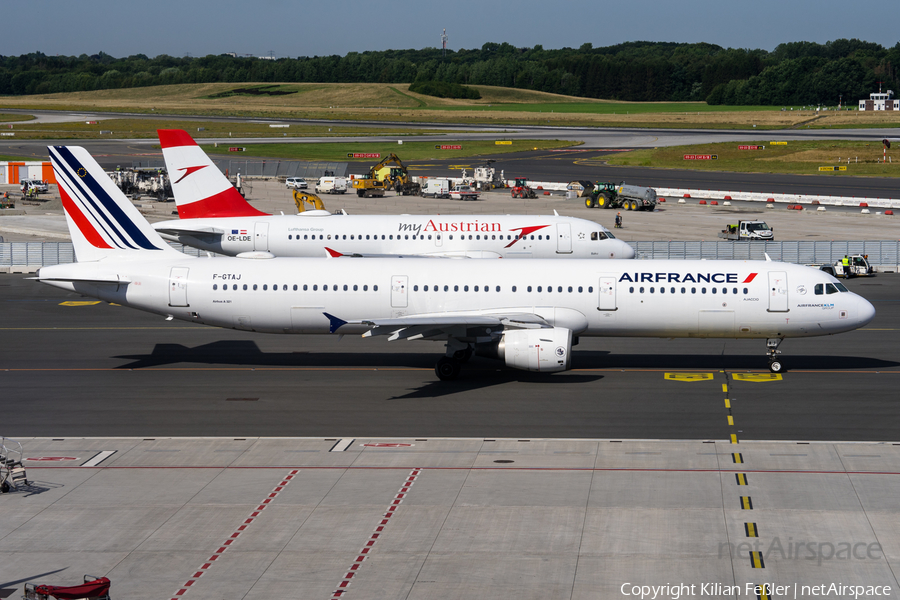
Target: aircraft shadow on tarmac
<point>246,353</point>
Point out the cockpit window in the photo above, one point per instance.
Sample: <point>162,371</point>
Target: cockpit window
<point>610,235</point>
<point>829,288</point>
<point>598,235</point>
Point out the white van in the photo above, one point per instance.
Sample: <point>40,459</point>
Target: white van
<point>332,185</point>
<point>436,188</point>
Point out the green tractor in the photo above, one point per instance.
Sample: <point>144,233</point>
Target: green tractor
<point>602,196</point>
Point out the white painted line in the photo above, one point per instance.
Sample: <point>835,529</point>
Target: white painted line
<point>342,445</point>
<point>98,458</point>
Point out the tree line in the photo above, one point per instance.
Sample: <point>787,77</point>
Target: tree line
<point>797,73</point>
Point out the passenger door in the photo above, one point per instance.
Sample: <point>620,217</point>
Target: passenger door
<point>563,238</point>
<point>778,291</point>
<point>606,293</point>
<point>178,278</point>
<point>261,237</point>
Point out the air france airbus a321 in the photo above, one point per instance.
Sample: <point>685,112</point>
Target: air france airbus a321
<point>214,217</point>
<point>527,313</point>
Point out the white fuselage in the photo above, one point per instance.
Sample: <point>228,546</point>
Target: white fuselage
<point>488,236</point>
<point>728,299</point>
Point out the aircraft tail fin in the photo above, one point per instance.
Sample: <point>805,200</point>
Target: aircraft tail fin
<point>102,221</point>
<point>200,189</point>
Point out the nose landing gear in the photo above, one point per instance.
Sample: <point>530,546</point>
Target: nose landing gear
<point>772,353</point>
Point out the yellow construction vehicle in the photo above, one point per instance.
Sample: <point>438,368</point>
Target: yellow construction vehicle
<point>383,177</point>
<point>302,198</point>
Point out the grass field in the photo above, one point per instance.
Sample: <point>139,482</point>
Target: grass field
<point>394,102</point>
<point>338,151</point>
<point>10,118</point>
<point>801,158</point>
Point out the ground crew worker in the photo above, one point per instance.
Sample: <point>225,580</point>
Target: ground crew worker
<point>619,221</point>
<point>845,262</point>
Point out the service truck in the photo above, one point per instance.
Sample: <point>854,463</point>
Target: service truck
<point>748,230</point>
<point>630,197</point>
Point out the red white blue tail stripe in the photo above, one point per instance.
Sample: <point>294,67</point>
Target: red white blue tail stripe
<point>89,201</point>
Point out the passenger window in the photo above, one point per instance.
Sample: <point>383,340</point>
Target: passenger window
<point>245,287</point>
<point>455,288</point>
<point>295,287</point>
<point>683,290</point>
<point>284,288</point>
<point>745,290</point>
<point>662,290</point>
<point>539,289</point>
<point>425,289</point>
<point>334,288</point>
<point>591,289</point>
<point>415,288</point>
<point>446,288</point>
<point>498,288</point>
<point>549,289</point>
<point>215,286</point>
<point>529,288</point>
<point>513,288</point>
<point>724,290</point>
<point>367,236</point>
<point>265,287</point>
<point>476,288</point>
<point>652,289</point>
<point>315,288</point>
<point>355,287</point>
<point>374,288</point>
<point>713,290</point>
<point>365,288</point>
<point>702,290</point>
<point>254,287</point>
<point>642,290</point>
<point>630,290</point>
<point>570,289</point>
<point>465,288</point>
<point>693,290</point>
<point>580,289</point>
<point>305,287</point>
<point>290,237</point>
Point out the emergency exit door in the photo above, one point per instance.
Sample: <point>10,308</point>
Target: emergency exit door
<point>399,285</point>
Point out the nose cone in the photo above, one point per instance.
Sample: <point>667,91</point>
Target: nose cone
<point>865,312</point>
<point>625,251</point>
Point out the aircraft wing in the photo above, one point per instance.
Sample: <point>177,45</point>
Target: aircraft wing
<point>332,253</point>
<point>457,325</point>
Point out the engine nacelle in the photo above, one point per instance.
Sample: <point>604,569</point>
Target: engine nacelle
<point>545,350</point>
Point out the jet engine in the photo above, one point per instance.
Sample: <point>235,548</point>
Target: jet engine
<point>544,350</point>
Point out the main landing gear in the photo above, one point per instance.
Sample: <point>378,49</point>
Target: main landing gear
<point>448,367</point>
<point>772,353</point>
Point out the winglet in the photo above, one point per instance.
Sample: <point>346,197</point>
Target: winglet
<point>334,322</point>
<point>332,253</point>
<point>767,257</point>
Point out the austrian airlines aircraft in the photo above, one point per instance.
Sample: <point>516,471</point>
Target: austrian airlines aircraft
<point>214,217</point>
<point>528,313</point>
